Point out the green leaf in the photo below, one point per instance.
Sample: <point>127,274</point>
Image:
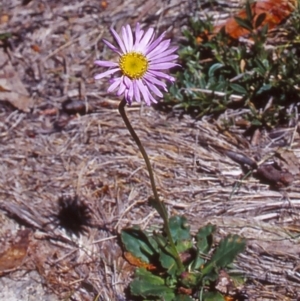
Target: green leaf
<point>143,274</point>
<point>202,82</point>
<point>214,68</point>
<point>168,262</point>
<point>238,88</point>
<point>264,30</point>
<point>262,66</point>
<point>256,122</point>
<point>221,86</point>
<point>179,227</point>
<point>226,252</point>
<point>264,88</point>
<point>204,241</point>
<point>180,232</point>
<point>166,254</point>
<point>213,296</point>
<point>260,19</point>
<point>163,243</point>
<point>139,243</point>
<point>249,11</point>
<point>244,23</point>
<point>204,238</point>
<point>5,35</point>
<point>198,263</point>
<point>146,284</point>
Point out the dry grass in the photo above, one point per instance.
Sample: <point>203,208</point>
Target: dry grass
<point>48,154</point>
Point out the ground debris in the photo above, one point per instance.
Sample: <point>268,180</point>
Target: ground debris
<point>46,154</point>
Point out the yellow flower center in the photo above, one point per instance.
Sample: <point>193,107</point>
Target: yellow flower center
<point>133,64</point>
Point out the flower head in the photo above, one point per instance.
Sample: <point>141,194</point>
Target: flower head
<point>141,61</point>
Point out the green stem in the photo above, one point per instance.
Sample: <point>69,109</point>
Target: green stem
<point>161,208</point>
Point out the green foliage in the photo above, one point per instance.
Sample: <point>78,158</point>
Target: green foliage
<point>145,284</point>
<point>139,243</point>
<point>180,231</point>
<point>204,242</point>
<point>5,35</point>
<point>228,249</point>
<point>213,296</point>
<point>201,261</point>
<point>219,73</point>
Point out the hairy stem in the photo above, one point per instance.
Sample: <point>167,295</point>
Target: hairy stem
<point>161,208</point>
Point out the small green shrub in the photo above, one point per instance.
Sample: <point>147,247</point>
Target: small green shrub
<point>220,73</point>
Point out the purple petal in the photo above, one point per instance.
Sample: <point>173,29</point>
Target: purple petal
<point>127,81</point>
<point>130,92</point>
<point>138,34</point>
<point>127,37</point>
<point>164,59</point>
<point>122,88</point>
<point>106,73</point>
<point>106,64</point>
<point>161,75</point>
<point>155,44</point>
<point>152,99</point>
<point>150,78</point>
<point>114,85</point>
<point>112,47</point>
<point>119,40</point>
<point>136,91</point>
<point>145,40</point>
<point>152,55</point>
<point>145,92</point>
<point>162,66</point>
<point>154,89</point>
<point>130,38</point>
<point>127,97</point>
<point>162,47</point>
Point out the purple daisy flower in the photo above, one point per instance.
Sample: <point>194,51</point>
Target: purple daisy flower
<point>140,65</point>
